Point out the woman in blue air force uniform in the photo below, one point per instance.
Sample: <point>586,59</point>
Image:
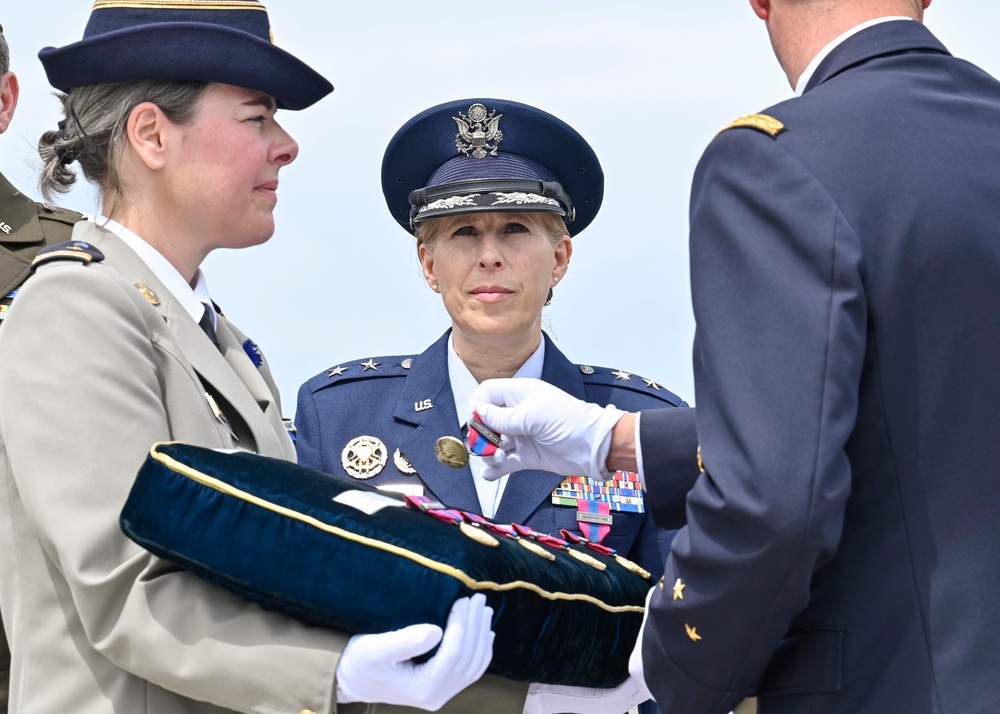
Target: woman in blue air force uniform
<point>490,189</point>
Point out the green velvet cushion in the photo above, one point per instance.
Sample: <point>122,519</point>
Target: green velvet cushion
<point>342,554</point>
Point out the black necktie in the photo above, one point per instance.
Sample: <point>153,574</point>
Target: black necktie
<point>206,324</point>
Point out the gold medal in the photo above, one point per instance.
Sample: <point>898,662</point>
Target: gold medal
<point>588,559</point>
<point>479,535</point>
<point>364,457</point>
<point>536,549</point>
<point>451,452</point>
<point>634,567</point>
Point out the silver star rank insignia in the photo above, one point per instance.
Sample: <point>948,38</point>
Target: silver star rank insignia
<point>337,371</point>
<point>651,384</point>
<point>623,376</point>
<point>370,364</point>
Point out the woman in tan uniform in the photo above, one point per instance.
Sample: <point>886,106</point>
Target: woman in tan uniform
<point>115,343</point>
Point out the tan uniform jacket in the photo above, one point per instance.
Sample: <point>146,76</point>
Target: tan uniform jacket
<point>97,624</point>
<point>25,226</point>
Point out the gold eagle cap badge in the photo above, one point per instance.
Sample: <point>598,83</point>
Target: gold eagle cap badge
<point>761,122</point>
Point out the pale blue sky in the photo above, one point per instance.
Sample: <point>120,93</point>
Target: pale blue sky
<point>647,83</point>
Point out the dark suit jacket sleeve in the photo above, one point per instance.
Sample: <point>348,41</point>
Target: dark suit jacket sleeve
<point>781,316</point>
<point>669,442</point>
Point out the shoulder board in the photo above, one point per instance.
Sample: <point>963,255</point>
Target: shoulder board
<point>619,379</point>
<point>761,122</point>
<point>370,368</point>
<point>49,212</point>
<point>67,250</point>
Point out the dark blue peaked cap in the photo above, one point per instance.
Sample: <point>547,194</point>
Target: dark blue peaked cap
<point>226,41</point>
<point>477,155</point>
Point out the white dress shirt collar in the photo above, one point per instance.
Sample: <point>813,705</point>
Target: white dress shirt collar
<point>193,300</point>
<point>804,78</point>
<point>462,386</point>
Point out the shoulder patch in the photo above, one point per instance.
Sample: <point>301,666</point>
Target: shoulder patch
<point>67,250</point>
<point>761,122</point>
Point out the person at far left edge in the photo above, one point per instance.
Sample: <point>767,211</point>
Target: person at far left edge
<point>490,189</point>
<point>25,227</point>
<point>170,110</point>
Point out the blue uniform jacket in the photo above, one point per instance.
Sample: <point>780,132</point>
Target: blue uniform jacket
<point>841,555</point>
<point>389,402</point>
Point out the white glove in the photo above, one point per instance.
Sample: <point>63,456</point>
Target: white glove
<point>555,698</point>
<point>377,668</point>
<point>543,428</point>
<point>635,659</point>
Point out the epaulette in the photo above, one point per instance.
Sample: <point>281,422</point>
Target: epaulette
<point>761,122</point>
<point>49,212</point>
<point>396,366</point>
<point>67,250</point>
<point>626,380</point>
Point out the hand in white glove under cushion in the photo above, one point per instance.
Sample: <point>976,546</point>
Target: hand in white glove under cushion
<point>544,428</point>
<point>377,668</point>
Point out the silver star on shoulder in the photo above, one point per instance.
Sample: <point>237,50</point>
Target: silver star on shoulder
<point>623,376</point>
<point>370,364</point>
<point>651,384</point>
<point>337,371</point>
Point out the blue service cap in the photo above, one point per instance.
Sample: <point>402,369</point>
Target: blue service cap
<point>478,155</point>
<point>201,40</point>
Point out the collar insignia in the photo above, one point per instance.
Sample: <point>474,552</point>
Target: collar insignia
<point>476,132</point>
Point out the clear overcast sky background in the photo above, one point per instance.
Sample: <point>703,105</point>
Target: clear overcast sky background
<point>647,83</point>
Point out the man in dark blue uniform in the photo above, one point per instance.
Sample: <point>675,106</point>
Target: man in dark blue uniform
<point>845,250</point>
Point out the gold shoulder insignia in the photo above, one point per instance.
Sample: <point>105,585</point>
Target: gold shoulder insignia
<point>761,122</point>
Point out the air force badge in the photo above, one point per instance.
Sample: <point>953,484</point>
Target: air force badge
<point>476,131</point>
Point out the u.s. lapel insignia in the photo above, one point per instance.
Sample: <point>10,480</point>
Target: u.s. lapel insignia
<point>477,130</point>
<point>406,363</point>
<point>364,457</point>
<point>423,406</point>
<point>586,369</point>
<point>403,464</point>
<point>152,297</point>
